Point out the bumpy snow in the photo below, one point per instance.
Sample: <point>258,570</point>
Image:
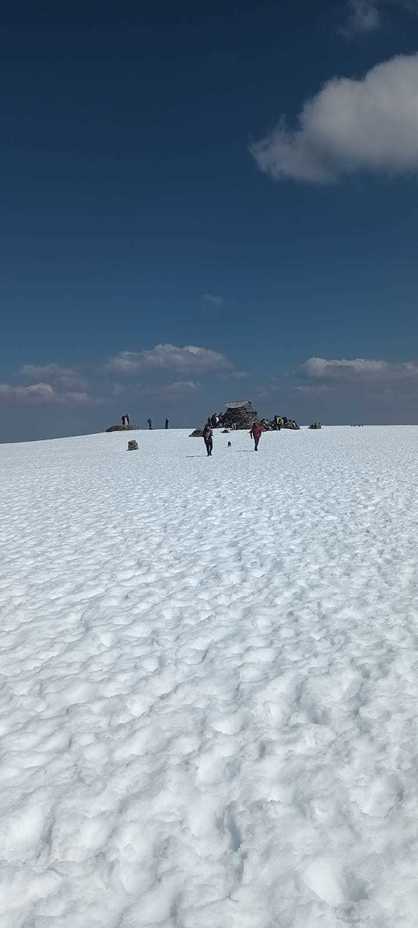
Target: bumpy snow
<point>209,681</point>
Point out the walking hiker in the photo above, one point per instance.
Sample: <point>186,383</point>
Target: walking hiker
<point>149,423</point>
<point>166,423</point>
<point>208,439</point>
<point>256,432</point>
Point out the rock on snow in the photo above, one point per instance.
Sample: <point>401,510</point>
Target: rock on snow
<point>209,681</point>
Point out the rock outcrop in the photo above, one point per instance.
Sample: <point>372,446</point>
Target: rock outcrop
<point>122,428</point>
<point>239,415</point>
<point>242,415</point>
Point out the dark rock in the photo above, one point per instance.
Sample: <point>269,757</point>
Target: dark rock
<point>122,428</point>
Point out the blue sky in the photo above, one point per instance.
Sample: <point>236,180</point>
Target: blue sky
<point>194,206</point>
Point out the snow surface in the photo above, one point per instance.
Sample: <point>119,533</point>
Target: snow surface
<point>209,681</point>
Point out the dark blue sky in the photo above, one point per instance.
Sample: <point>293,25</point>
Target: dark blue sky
<point>134,215</point>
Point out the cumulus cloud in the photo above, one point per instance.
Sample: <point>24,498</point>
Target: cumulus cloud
<point>168,371</point>
<point>39,394</point>
<point>351,125</point>
<point>189,358</point>
<point>67,377</point>
<point>344,370</point>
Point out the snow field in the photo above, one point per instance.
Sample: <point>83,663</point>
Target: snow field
<point>208,681</point>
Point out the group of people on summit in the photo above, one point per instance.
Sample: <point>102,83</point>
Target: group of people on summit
<point>257,428</point>
<point>219,420</point>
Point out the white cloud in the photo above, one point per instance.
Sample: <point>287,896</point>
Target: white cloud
<point>344,370</point>
<point>363,16</point>
<point>169,371</point>
<point>351,125</point>
<point>67,377</point>
<point>39,394</point>
<point>189,358</point>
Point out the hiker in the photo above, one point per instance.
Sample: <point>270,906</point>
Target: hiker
<point>208,439</point>
<point>125,422</point>
<point>256,432</point>
<point>149,423</point>
<point>166,423</point>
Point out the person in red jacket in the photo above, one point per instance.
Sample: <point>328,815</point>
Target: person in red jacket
<point>256,432</point>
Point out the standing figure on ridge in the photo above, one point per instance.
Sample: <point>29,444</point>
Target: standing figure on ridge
<point>149,423</point>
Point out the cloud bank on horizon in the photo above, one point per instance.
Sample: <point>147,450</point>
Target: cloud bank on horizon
<point>41,394</point>
<point>170,371</point>
<point>330,388</point>
<point>53,384</point>
<point>368,124</point>
<point>356,370</point>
